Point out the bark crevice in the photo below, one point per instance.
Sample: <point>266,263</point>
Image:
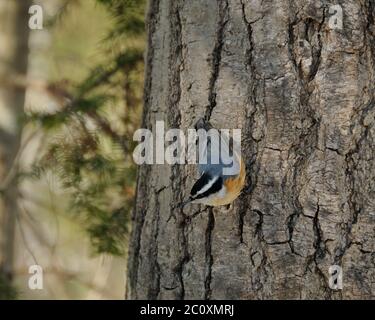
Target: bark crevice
<point>216,56</point>
<point>208,254</point>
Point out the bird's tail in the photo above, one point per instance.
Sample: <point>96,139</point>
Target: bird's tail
<point>203,124</point>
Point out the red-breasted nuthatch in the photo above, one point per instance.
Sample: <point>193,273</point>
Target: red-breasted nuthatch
<point>214,187</point>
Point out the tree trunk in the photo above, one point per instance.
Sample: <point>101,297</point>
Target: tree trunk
<point>302,90</point>
<point>14,33</point>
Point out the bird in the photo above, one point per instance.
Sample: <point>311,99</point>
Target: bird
<point>214,188</point>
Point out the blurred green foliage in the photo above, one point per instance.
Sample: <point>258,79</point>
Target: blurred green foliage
<point>90,136</point>
<point>7,291</point>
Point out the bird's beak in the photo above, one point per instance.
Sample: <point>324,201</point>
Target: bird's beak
<point>184,203</point>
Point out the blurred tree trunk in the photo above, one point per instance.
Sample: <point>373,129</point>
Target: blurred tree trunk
<point>14,35</point>
<point>302,90</point>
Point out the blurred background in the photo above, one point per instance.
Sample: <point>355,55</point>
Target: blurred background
<point>70,100</point>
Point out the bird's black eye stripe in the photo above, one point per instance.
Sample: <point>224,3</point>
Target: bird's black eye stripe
<point>201,182</point>
<point>216,187</point>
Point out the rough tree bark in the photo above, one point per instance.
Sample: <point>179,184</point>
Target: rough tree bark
<point>303,93</point>
<point>14,35</point>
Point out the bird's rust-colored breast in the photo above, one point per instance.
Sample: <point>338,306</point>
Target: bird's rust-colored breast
<point>233,188</point>
<point>235,185</point>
